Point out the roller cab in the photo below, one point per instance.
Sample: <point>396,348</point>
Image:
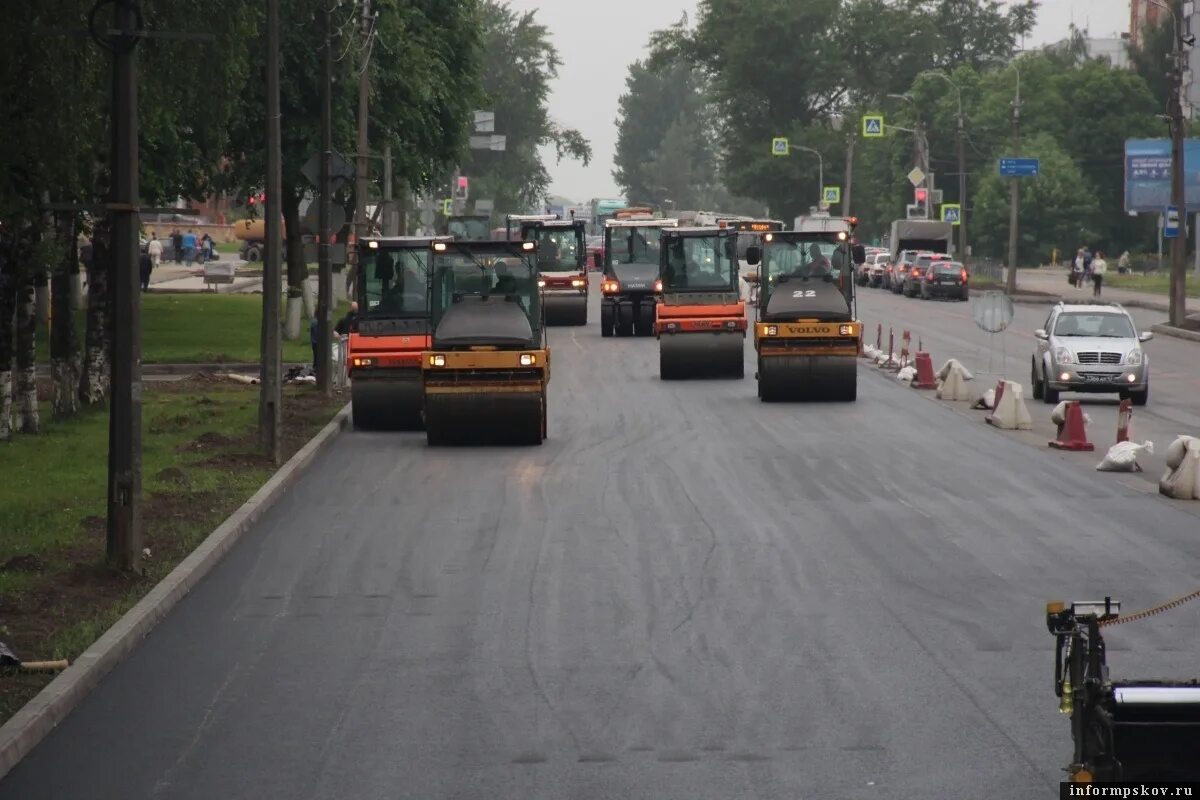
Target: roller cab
<point>630,289</point>
<point>1123,730</point>
<point>700,320</point>
<point>391,332</point>
<point>805,333</point>
<point>562,264</point>
<point>485,373</point>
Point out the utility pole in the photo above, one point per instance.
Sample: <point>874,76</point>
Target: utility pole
<point>364,88</point>
<point>1014,196</point>
<point>270,402</point>
<point>962,189</point>
<point>390,228</point>
<point>1178,297</point>
<point>849,174</point>
<point>324,267</point>
<point>124,524</point>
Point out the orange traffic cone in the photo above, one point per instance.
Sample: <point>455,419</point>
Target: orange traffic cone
<point>925,377</point>
<point>1124,420</point>
<point>1072,434</point>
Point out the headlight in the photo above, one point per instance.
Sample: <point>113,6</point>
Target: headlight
<point>1134,358</point>
<point>658,286</point>
<point>1063,356</point>
<point>578,284</point>
<point>772,330</point>
<point>528,359</point>
<point>437,361</point>
<point>846,330</point>
<point>541,284</point>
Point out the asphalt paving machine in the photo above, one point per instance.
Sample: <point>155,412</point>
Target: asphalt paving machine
<point>630,288</point>
<point>485,374</point>
<point>700,319</point>
<point>390,333</point>
<point>805,333</point>
<point>562,263</point>
<point>1124,730</point>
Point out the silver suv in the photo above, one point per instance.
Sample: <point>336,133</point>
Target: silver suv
<point>1091,348</point>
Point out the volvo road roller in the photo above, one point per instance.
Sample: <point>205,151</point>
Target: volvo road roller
<point>485,374</point>
<point>805,331</point>
<point>630,288</point>
<point>562,264</point>
<point>701,320</point>
<point>390,333</point>
<point>1124,730</point>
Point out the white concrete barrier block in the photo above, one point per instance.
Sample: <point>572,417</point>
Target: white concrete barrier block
<point>954,385</point>
<point>1011,413</point>
<point>954,364</point>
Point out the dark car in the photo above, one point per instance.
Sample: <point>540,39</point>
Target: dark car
<point>899,269</point>
<point>916,273</point>
<point>945,279</point>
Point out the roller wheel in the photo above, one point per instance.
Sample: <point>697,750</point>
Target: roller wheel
<point>582,317</point>
<point>624,321</point>
<point>643,323</point>
<point>667,370</point>
<point>1140,398</point>
<point>606,320</point>
<point>1039,387</point>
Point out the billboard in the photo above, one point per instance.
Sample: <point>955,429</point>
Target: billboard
<point>1148,174</point>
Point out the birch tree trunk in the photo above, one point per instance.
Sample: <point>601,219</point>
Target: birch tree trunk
<point>93,386</point>
<point>65,362</point>
<point>297,269</point>
<point>8,301</point>
<point>25,390</point>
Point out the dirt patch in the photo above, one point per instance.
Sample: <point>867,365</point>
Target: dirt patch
<point>173,475</point>
<point>205,441</point>
<point>25,563</point>
<point>94,525</point>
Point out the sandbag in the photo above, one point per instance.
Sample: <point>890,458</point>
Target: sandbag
<point>1178,448</point>
<point>1122,457</point>
<point>1181,478</point>
<point>907,374</point>
<point>1059,415</point>
<point>986,400</point>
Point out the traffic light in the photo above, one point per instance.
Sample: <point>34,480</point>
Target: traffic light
<point>461,188</point>
<point>921,201</point>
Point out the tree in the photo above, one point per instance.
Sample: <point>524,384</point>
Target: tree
<point>519,63</point>
<point>1150,59</point>
<point>1058,208</point>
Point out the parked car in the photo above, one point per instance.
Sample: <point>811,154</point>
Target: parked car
<point>945,278</point>
<point>895,277</point>
<point>1090,348</point>
<point>878,266</point>
<point>916,273</point>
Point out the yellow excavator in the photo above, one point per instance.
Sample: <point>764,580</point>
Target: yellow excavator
<point>485,374</point>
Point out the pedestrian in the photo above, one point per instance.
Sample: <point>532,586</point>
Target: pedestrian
<point>346,323</point>
<point>145,265</point>
<point>1087,262</point>
<point>177,244</point>
<point>1099,267</point>
<point>1123,263</point>
<point>1077,269</point>
<point>189,246</point>
<point>155,250</point>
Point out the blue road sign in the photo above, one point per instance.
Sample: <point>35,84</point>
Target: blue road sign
<point>1148,174</point>
<point>1171,223</point>
<point>1020,167</point>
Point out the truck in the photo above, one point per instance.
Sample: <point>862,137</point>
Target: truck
<point>920,234</point>
<point>700,321</point>
<point>806,334</point>
<point>390,333</point>
<point>485,374</point>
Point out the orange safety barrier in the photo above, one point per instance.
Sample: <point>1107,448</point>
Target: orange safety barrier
<point>1072,433</point>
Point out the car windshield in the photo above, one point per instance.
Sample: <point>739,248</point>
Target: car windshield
<point>1105,325</point>
<point>634,245</point>
<point>558,249</point>
<point>802,259</point>
<point>701,262</point>
<point>395,281</point>
<point>463,273</point>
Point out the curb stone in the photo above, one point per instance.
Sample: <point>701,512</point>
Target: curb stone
<point>1178,333</point>
<point>51,706</point>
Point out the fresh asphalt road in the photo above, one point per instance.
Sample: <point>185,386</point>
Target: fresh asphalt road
<point>683,594</point>
<point>947,330</point>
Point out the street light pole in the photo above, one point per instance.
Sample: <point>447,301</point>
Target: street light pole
<point>324,267</point>
<point>962,166</point>
<point>1014,192</point>
<point>820,172</point>
<point>1178,297</point>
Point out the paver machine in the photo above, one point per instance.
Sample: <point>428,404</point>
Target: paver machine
<point>391,332</point>
<point>1124,730</point>
<point>485,374</point>
<point>700,320</point>
<point>805,333</point>
<point>562,264</point>
<point>630,288</point>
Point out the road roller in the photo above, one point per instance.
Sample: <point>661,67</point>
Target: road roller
<point>805,332</point>
<point>390,333</point>
<point>630,287</point>
<point>562,264</point>
<point>1123,730</point>
<point>700,321</point>
<point>485,373</point>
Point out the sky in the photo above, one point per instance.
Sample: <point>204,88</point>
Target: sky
<point>597,41</point>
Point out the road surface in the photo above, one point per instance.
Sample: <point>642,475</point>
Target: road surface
<point>683,594</point>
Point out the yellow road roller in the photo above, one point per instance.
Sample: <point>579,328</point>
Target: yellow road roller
<point>805,332</point>
<point>485,374</point>
<point>700,320</point>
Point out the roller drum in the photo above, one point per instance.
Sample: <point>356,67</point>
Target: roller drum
<point>812,378</point>
<point>485,418</point>
<point>564,310</point>
<point>387,403</point>
<point>701,355</point>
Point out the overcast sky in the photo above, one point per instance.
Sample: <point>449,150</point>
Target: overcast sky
<point>598,41</point>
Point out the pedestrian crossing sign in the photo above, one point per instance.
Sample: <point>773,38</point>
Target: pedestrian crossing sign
<point>447,207</point>
<point>873,126</point>
<point>952,213</point>
<point>831,194</point>
<point>779,146</point>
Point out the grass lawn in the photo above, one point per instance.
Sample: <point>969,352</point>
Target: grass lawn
<point>1158,283</point>
<point>228,247</point>
<point>199,464</point>
<point>202,329</point>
